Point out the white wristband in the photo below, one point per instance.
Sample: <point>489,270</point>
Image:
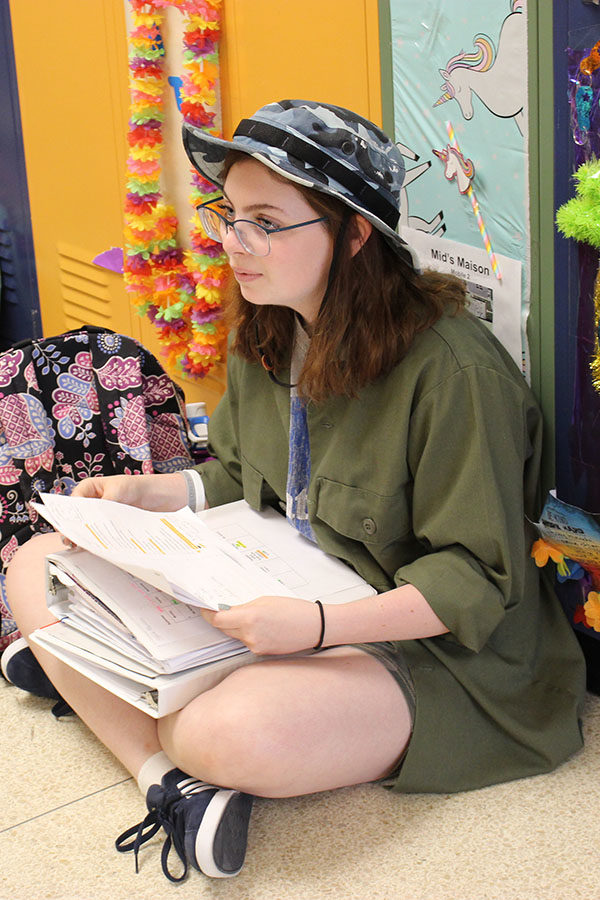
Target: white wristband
<point>195,490</point>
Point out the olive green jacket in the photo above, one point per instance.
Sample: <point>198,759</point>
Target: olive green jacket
<point>429,477</point>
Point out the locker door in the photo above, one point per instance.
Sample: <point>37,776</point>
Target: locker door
<point>314,51</point>
<point>71,69</point>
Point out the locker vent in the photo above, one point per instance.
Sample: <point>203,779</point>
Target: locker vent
<point>85,289</point>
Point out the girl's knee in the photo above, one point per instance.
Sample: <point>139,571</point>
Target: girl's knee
<point>224,736</point>
<point>36,548</point>
<point>26,574</point>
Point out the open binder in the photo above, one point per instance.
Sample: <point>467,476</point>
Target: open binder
<point>131,621</point>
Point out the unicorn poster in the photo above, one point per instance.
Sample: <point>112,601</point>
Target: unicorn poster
<point>493,74</point>
<point>460,105</point>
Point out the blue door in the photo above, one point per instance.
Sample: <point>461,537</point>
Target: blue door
<point>577,138</point>
<point>19,301</point>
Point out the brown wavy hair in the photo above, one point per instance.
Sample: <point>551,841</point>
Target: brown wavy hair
<point>373,309</point>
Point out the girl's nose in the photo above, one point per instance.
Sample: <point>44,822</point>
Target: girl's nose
<point>231,242</point>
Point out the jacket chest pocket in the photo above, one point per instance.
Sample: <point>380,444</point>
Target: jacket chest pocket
<point>363,515</point>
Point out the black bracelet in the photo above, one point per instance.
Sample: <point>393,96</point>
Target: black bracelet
<point>319,644</point>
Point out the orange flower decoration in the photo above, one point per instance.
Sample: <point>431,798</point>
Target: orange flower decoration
<point>591,609</point>
<point>542,551</point>
<point>179,290</point>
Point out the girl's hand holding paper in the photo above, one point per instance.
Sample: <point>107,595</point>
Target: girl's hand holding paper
<point>271,625</point>
<point>164,492</point>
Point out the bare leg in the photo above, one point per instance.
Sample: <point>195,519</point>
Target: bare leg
<point>287,727</point>
<point>126,731</point>
<point>277,728</point>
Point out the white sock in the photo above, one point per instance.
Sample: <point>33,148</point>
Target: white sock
<point>153,770</point>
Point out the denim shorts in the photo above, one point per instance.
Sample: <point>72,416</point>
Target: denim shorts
<point>389,655</point>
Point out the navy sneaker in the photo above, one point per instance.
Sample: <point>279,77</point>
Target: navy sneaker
<point>207,826</point>
<point>20,667</point>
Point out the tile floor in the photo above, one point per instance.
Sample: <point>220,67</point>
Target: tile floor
<point>65,799</point>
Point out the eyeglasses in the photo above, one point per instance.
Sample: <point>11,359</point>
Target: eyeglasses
<point>254,238</point>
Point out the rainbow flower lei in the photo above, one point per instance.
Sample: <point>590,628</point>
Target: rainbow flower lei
<point>179,290</point>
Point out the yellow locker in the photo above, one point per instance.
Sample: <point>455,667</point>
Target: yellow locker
<point>316,50</point>
<point>73,98</point>
<point>72,77</point>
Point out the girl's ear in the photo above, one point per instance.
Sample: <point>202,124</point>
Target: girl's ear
<point>362,232</point>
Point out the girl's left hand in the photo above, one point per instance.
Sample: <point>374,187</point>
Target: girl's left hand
<point>270,625</point>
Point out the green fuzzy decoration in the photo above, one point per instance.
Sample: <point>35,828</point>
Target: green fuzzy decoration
<point>579,217</point>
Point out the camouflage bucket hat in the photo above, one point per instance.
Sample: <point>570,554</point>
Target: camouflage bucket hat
<point>327,148</point>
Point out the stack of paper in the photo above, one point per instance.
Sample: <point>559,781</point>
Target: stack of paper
<point>132,619</point>
<point>127,599</point>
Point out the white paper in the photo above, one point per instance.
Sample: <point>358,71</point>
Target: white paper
<point>497,302</point>
<point>227,555</point>
<point>267,542</point>
<point>174,551</point>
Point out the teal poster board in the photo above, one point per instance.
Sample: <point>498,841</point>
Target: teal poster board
<point>460,112</point>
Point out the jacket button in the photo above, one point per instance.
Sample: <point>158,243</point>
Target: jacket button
<point>369,525</point>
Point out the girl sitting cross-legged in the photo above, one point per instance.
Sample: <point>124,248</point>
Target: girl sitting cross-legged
<point>393,430</point>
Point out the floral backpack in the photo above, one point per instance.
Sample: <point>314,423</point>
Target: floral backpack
<point>88,402</point>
